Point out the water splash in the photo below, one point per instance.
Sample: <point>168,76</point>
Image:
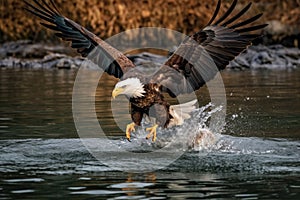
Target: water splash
<point>214,152</point>
<point>194,134</point>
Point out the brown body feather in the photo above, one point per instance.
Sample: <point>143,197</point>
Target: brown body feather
<point>151,104</point>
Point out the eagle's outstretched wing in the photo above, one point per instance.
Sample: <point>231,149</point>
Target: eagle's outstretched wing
<point>200,56</point>
<point>86,43</point>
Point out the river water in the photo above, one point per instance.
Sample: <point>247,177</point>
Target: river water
<point>42,157</point>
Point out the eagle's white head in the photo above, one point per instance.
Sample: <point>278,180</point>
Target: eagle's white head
<point>131,87</point>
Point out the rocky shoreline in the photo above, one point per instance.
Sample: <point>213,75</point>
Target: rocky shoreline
<point>25,54</point>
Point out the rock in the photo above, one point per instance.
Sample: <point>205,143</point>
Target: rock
<point>145,58</point>
<point>60,61</point>
<point>260,56</point>
<point>267,57</point>
<point>26,49</point>
<point>28,55</point>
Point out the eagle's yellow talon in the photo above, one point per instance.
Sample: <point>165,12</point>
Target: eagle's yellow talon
<point>130,128</point>
<point>152,132</point>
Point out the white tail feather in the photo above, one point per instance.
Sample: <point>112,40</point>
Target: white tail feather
<point>181,112</point>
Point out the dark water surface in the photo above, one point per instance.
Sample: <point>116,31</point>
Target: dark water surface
<point>257,155</point>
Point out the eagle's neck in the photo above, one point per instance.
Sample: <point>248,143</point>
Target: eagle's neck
<point>138,91</point>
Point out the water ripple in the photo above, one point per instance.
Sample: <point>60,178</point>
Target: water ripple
<point>69,156</point>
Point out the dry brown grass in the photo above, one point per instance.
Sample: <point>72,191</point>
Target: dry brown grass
<point>109,17</point>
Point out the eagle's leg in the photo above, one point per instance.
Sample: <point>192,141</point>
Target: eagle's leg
<point>152,132</point>
<point>129,129</point>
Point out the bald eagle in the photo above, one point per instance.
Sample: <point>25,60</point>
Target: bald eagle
<point>197,60</point>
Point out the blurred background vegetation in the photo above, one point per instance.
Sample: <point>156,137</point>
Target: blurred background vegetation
<point>108,17</point>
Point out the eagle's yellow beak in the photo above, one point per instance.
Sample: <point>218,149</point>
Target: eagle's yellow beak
<point>116,92</point>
